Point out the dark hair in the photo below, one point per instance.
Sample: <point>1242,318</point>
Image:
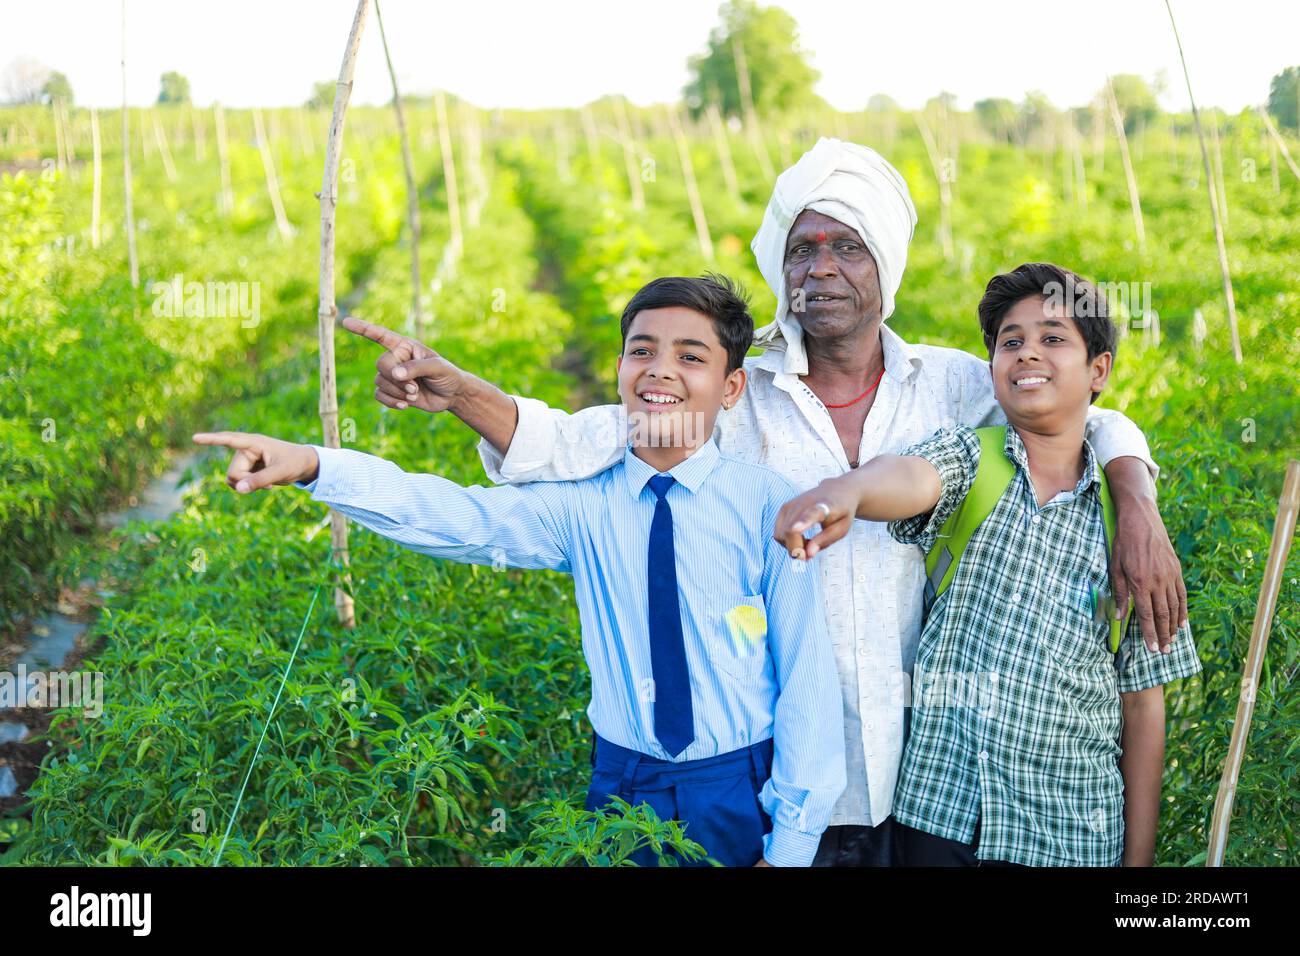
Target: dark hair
<point>1085,303</point>
<point>714,295</point>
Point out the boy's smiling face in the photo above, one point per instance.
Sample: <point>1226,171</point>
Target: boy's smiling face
<point>1041,370</point>
<point>673,378</point>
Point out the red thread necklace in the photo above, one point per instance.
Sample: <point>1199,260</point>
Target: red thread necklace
<point>870,388</point>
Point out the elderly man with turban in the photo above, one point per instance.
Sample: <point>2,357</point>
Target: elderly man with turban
<point>835,386</point>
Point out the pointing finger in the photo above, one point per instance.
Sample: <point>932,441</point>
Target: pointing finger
<point>376,333</point>
<point>228,439</point>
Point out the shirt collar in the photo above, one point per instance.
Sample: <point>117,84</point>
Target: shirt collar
<point>692,472</point>
<point>902,361</point>
<point>1014,447</point>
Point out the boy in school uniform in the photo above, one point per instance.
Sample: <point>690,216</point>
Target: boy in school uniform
<point>714,692</point>
<point>1037,733</point>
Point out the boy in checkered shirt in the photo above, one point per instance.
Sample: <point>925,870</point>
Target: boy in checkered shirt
<point>1031,741</point>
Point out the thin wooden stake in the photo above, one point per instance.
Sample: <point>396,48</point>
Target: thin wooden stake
<point>200,135</point>
<point>1135,201</point>
<point>724,151</point>
<point>1283,534</point>
<point>635,189</point>
<point>589,134</point>
<point>1281,143</point>
<point>1214,206</point>
<point>227,198</point>
<point>69,140</point>
<point>272,181</point>
<point>96,190</point>
<point>692,190</point>
<point>945,194</point>
<point>449,174</point>
<point>126,168</point>
<point>163,150</point>
<point>60,153</point>
<point>1272,165</point>
<point>412,195</point>
<point>562,149</point>
<point>1218,175</point>
<point>328,313</point>
<point>751,115</point>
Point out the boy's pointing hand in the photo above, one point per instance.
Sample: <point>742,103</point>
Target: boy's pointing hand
<point>831,504</point>
<point>260,461</point>
<point>410,374</point>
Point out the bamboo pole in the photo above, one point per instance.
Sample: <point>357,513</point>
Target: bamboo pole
<point>1135,201</point>
<point>562,149</point>
<point>1214,207</point>
<point>96,190</point>
<point>412,195</point>
<point>163,149</point>
<point>227,202</point>
<point>1218,175</point>
<point>328,313</point>
<point>69,140</point>
<point>1283,534</point>
<point>126,168</point>
<point>724,151</point>
<point>692,189</point>
<point>306,142</point>
<point>1272,165</point>
<point>1281,143</point>
<point>634,185</point>
<point>945,194</point>
<point>449,174</point>
<point>272,181</point>
<point>59,152</point>
<point>752,127</point>
<point>476,180</point>
<point>589,134</point>
<point>1080,175</point>
<point>200,135</point>
<point>1099,140</point>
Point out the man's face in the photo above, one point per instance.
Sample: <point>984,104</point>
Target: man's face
<point>1041,370</point>
<point>672,377</point>
<point>831,274</point>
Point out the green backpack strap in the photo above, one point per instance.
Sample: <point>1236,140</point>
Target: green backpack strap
<point>1117,627</point>
<point>992,476</point>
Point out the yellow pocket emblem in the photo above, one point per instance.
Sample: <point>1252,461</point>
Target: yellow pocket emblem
<point>748,626</point>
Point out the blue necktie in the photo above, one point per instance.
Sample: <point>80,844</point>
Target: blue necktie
<point>674,719</point>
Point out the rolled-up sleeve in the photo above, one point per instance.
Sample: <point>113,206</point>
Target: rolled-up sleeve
<point>551,444</point>
<point>808,772</point>
<point>523,526</point>
<point>955,455</point>
<point>1140,668</point>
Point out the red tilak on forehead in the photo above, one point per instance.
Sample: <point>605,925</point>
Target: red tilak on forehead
<point>821,236</point>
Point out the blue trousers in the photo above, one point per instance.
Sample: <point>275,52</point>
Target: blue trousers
<point>715,798</point>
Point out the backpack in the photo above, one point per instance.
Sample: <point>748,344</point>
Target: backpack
<point>993,475</point>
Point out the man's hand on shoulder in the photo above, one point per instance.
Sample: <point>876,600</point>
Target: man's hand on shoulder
<point>260,461</point>
<point>410,374</point>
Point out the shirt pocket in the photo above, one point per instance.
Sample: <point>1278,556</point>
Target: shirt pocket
<point>738,636</point>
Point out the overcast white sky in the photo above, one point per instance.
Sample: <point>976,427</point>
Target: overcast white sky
<point>568,52</point>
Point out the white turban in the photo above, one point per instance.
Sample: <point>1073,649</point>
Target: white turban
<point>854,185</point>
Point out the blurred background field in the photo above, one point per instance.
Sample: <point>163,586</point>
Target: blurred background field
<point>448,727</point>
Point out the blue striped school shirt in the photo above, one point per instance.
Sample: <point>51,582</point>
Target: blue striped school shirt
<point>761,663</point>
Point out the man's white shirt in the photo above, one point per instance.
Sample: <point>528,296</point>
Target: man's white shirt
<point>871,585</point>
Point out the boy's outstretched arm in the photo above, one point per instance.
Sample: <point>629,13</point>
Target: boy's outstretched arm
<point>885,488</point>
<point>1142,766</point>
<point>519,526</point>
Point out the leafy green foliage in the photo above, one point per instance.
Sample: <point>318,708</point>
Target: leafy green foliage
<point>780,76</point>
